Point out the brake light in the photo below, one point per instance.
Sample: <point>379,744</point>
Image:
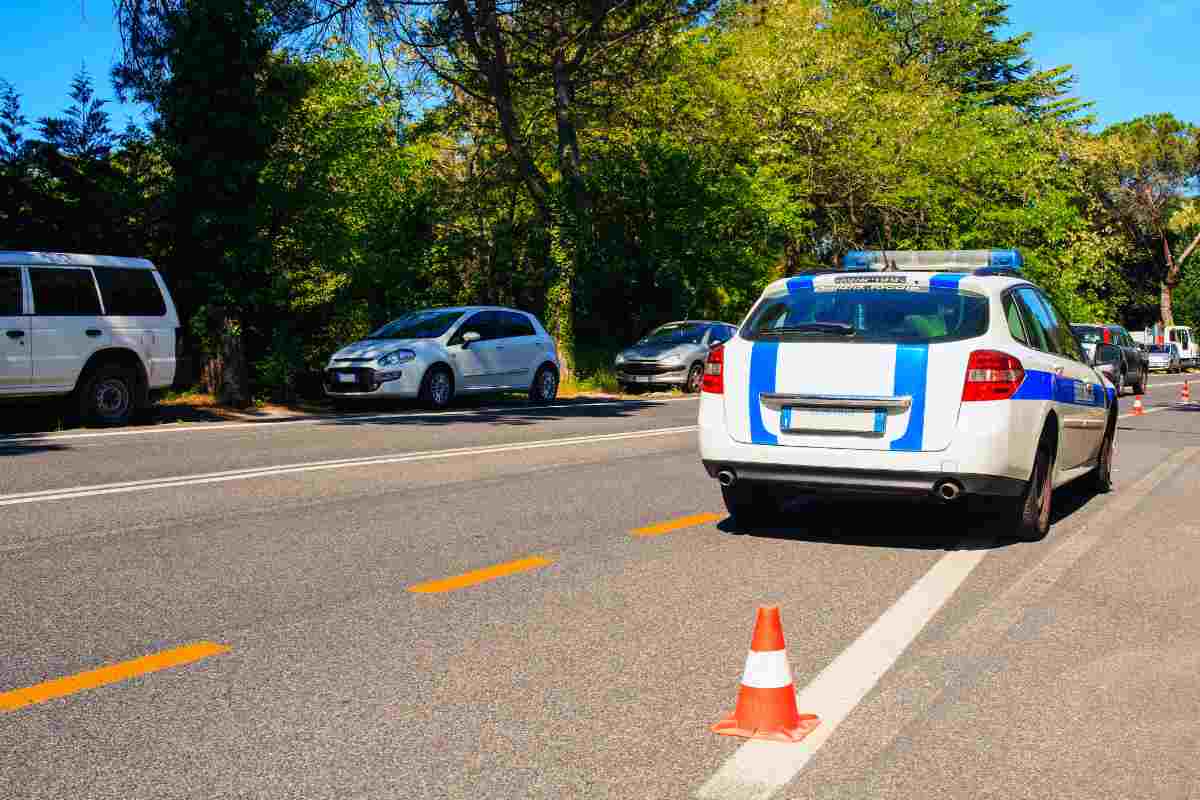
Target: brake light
<point>1107,336</point>
<point>714,371</point>
<point>992,375</point>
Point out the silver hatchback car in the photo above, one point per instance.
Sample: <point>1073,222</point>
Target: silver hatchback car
<point>672,354</point>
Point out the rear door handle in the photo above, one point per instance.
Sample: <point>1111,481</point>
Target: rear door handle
<point>16,334</point>
<point>94,332</point>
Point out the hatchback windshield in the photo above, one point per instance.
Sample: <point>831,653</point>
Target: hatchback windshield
<point>675,333</point>
<point>934,315</point>
<point>418,325</point>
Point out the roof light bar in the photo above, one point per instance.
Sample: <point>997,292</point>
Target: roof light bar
<point>979,261</point>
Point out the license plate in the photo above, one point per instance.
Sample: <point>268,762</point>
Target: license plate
<point>833,420</point>
<point>347,377</point>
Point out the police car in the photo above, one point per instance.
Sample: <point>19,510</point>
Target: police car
<point>940,374</point>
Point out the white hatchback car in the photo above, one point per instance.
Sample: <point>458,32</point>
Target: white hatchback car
<point>929,374</point>
<point>437,353</point>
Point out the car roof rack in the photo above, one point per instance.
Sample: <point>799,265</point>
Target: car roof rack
<point>973,262</point>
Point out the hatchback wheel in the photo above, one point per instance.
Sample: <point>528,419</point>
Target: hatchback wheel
<point>545,385</point>
<point>695,375</point>
<point>437,388</point>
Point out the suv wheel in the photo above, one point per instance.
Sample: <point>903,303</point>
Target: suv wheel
<point>1033,511</point>
<point>749,504</point>
<point>437,388</point>
<point>1140,386</point>
<point>106,396</point>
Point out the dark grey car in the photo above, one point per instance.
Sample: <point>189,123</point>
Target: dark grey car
<point>672,354</point>
<point>1134,368</point>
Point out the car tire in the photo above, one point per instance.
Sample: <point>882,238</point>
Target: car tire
<point>545,385</point>
<point>1033,509</point>
<point>749,504</point>
<point>1100,478</point>
<point>107,396</point>
<point>1140,386</point>
<point>695,376</point>
<point>437,388</point>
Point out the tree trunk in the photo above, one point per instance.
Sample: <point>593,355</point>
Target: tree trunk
<point>1170,281</point>
<point>229,378</point>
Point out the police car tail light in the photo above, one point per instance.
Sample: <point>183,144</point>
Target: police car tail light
<point>992,375</point>
<point>714,371</point>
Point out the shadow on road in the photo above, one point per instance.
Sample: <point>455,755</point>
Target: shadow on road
<point>905,524</point>
<point>40,420</point>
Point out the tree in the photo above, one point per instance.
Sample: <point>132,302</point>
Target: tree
<point>962,45</point>
<point>1142,173</point>
<point>12,140</point>
<point>82,132</point>
<point>205,67</point>
<point>567,59</point>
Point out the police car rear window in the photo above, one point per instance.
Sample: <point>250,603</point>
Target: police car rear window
<point>925,315</point>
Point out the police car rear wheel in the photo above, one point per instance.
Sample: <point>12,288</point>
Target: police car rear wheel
<point>748,504</point>
<point>1033,514</point>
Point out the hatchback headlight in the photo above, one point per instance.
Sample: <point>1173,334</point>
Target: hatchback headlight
<point>396,357</point>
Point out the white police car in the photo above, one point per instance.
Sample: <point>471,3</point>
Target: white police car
<point>942,374</point>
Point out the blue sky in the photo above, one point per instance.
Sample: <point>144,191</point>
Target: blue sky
<point>1132,58</point>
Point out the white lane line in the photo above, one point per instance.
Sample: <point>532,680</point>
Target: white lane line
<point>50,495</point>
<point>759,769</point>
<point>288,421</point>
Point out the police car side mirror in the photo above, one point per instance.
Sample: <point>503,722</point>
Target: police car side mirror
<point>1106,354</point>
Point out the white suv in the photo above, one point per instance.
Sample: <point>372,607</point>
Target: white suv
<point>98,328</point>
<point>437,353</point>
<point>929,374</point>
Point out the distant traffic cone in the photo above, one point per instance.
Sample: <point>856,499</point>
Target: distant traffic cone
<point>1185,394</point>
<point>766,703</point>
<point>1137,406</point>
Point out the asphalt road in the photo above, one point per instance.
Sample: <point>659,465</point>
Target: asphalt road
<point>944,660</point>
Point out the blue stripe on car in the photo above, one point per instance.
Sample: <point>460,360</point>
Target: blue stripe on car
<point>912,370</point>
<point>764,363</point>
<point>1039,385</point>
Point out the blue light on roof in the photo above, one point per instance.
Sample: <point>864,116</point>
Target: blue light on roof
<point>979,262</point>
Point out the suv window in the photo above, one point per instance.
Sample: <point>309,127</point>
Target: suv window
<point>130,292</point>
<point>486,323</point>
<point>64,292</point>
<point>517,325</point>
<point>10,292</point>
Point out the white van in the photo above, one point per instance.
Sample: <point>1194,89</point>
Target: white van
<point>1189,351</point>
<point>100,329</point>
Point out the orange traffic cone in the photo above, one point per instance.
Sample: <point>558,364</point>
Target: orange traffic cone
<point>1137,406</point>
<point>766,703</point>
<point>1185,394</point>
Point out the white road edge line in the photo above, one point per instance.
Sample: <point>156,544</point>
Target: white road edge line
<point>288,421</point>
<point>759,768</point>
<point>49,495</point>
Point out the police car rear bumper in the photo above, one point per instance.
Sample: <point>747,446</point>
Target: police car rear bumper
<point>865,481</point>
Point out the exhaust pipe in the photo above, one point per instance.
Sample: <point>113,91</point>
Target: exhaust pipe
<point>947,491</point>
<point>726,477</point>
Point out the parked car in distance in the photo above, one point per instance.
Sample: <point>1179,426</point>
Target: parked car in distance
<point>436,354</point>
<point>1166,357</point>
<point>99,329</point>
<point>672,354</point>
<point>1135,363</point>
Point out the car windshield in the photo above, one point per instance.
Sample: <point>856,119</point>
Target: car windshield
<point>418,325</point>
<point>676,333</point>
<point>934,315</point>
